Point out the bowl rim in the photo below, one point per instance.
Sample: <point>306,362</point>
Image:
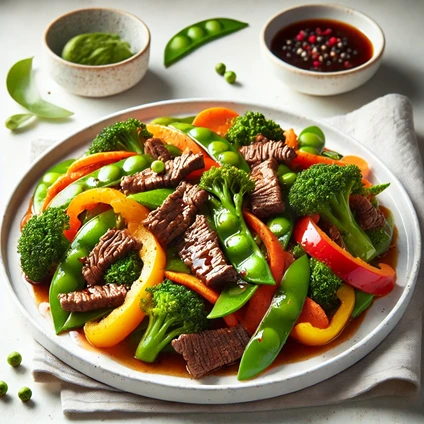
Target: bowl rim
<point>97,67</point>
<point>374,59</point>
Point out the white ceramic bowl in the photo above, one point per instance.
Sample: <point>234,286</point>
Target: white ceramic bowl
<point>323,83</point>
<point>97,81</point>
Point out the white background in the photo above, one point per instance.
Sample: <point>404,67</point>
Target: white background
<point>22,23</point>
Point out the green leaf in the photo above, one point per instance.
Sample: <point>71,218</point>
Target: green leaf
<point>21,87</point>
<point>18,121</point>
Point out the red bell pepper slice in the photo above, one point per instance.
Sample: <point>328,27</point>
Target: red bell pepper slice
<point>354,271</point>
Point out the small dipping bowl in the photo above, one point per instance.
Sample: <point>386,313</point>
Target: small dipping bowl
<point>315,82</point>
<point>102,80</point>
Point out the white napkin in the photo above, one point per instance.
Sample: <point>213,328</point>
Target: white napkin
<point>393,368</point>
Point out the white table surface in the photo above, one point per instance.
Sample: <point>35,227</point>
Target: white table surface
<point>22,23</point>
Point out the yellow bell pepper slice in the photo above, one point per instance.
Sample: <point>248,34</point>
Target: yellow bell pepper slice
<point>306,334</point>
<point>123,320</point>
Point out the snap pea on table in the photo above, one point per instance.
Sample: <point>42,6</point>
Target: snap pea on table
<point>68,276</point>
<point>276,325</point>
<point>198,34</point>
<point>216,146</point>
<point>106,176</point>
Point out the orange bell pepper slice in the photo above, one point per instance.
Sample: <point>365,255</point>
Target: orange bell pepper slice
<point>217,119</point>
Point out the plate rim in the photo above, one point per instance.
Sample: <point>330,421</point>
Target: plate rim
<point>377,335</point>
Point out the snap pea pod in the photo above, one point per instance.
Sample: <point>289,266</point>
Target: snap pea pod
<point>198,34</point>
<point>152,199</point>
<point>239,245</point>
<point>166,120</point>
<point>232,298</point>
<point>46,181</point>
<point>216,146</point>
<point>174,262</point>
<point>78,319</point>
<point>276,325</point>
<point>68,276</point>
<point>106,176</point>
<point>362,301</point>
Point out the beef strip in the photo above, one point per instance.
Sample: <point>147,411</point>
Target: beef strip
<point>367,216</point>
<point>263,149</point>
<point>332,232</point>
<point>92,298</point>
<point>210,350</point>
<point>177,212</point>
<point>175,171</point>
<point>266,198</point>
<point>155,147</point>
<point>113,245</point>
<point>200,251</point>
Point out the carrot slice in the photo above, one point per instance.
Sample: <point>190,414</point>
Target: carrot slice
<point>175,138</point>
<point>278,260</point>
<point>362,164</point>
<point>196,285</point>
<point>217,119</point>
<point>99,159</point>
<point>291,138</point>
<point>314,314</point>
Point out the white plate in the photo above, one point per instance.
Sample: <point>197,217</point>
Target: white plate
<point>379,321</point>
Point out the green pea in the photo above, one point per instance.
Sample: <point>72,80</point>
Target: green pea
<point>311,140</point>
<point>283,169</point>
<point>157,166</point>
<point>288,179</point>
<point>230,77</point>
<point>109,173</point>
<point>227,221</point>
<point>213,26</point>
<point>134,164</point>
<point>200,133</point>
<point>254,265</point>
<point>50,177</point>
<point>14,359</point>
<point>238,246</point>
<point>280,226</point>
<point>314,130</point>
<point>230,158</point>
<point>25,394</point>
<point>175,151</point>
<point>3,388</point>
<point>195,32</point>
<point>92,182</point>
<point>309,149</point>
<point>220,68</point>
<point>217,147</point>
<point>180,42</point>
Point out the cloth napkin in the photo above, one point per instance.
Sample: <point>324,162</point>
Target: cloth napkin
<point>393,368</point>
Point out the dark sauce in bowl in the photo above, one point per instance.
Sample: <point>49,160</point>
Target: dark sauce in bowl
<point>322,45</point>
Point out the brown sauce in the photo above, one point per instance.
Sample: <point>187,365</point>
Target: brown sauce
<point>173,364</point>
<point>322,45</point>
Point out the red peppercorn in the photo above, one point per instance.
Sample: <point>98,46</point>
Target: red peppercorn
<point>299,37</point>
<point>328,31</point>
<point>312,39</point>
<point>316,63</point>
<point>318,31</point>
<point>347,64</point>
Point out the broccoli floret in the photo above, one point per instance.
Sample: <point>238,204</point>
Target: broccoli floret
<point>298,251</point>
<point>42,243</point>
<point>126,135</point>
<point>325,189</point>
<point>125,270</point>
<point>246,127</point>
<point>381,237</point>
<point>229,184</point>
<point>323,286</point>
<point>173,310</point>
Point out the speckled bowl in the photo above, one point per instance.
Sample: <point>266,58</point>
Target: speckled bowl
<point>97,81</point>
<point>323,83</point>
